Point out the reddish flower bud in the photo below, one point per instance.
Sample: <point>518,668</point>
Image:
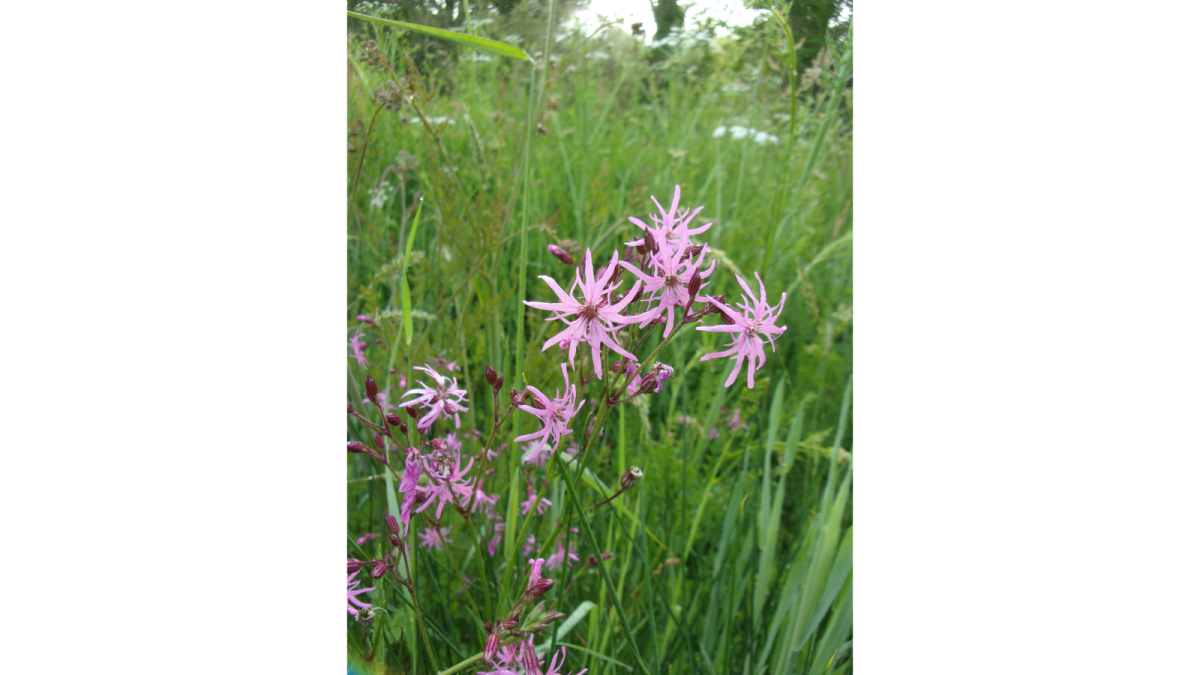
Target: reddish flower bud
<point>491,647</point>
<point>489,374</point>
<point>499,383</point>
<point>488,626</point>
<point>379,570</point>
<point>591,562</point>
<point>412,411</point>
<point>355,446</point>
<point>392,525</point>
<point>379,441</point>
<point>552,616</point>
<point>541,587</point>
<point>693,287</point>
<point>393,419</point>
<point>372,389</point>
<point>606,556</point>
<point>630,477</point>
<point>396,541</point>
<point>509,623</point>
<point>561,254</point>
<point>353,565</point>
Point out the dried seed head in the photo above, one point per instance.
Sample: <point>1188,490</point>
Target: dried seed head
<point>355,446</point>
<point>393,525</point>
<point>372,389</point>
<point>561,254</point>
<point>393,419</point>
<point>630,478</point>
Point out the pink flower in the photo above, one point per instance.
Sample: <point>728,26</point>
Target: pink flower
<point>735,420</point>
<point>366,319</point>
<point>408,487</point>
<point>713,433</point>
<point>360,350</point>
<point>758,318</point>
<point>529,546</point>
<point>352,590</point>
<point>432,538</point>
<point>658,373</point>
<point>507,655</point>
<point>555,414</point>
<point>596,318</point>
<point>449,484</point>
<point>444,400</point>
<point>672,228</point>
<point>365,538</point>
<point>539,452</point>
<point>671,281</point>
<point>529,658</point>
<point>556,559</point>
<point>491,547</point>
<point>453,442</point>
<point>559,660</point>
<point>533,502</point>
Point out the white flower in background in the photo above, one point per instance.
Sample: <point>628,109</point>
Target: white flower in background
<point>762,138</point>
<point>441,119</point>
<point>739,132</point>
<point>482,57</point>
<point>719,131</point>
<point>379,194</point>
<point>736,88</point>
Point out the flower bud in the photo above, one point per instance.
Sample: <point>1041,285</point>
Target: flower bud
<point>379,570</point>
<point>353,565</point>
<point>355,446</point>
<point>508,624</point>
<point>541,587</point>
<point>488,626</point>
<point>499,383</point>
<point>412,411</point>
<point>394,419</point>
<point>489,374</point>
<point>552,616</point>
<point>449,407</point>
<point>630,478</point>
<point>379,442</point>
<point>529,660</point>
<point>392,525</point>
<point>372,389</point>
<point>561,254</point>
<point>491,647</point>
<point>396,541</point>
<point>693,287</point>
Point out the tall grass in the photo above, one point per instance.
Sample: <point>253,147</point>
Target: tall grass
<point>734,553</point>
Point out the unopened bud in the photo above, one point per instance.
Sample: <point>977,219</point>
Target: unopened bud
<point>552,616</point>
<point>355,446</point>
<point>630,478</point>
<point>411,410</point>
<point>396,541</point>
<point>541,587</point>
<point>379,441</point>
<point>488,626</point>
<point>509,623</point>
<point>499,383</point>
<point>372,389</point>
<point>693,287</point>
<point>353,565</point>
<point>518,397</point>
<point>393,419</point>
<point>489,374</point>
<point>392,525</point>
<point>491,647</point>
<point>449,408</point>
<point>379,570</point>
<point>561,254</point>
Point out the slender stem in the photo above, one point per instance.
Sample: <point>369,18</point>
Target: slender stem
<point>363,155</point>
<point>408,583</point>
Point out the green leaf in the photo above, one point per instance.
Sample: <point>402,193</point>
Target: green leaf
<point>405,291</point>
<point>491,46</point>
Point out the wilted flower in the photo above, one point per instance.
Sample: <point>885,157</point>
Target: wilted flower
<point>444,400</point>
<point>758,318</point>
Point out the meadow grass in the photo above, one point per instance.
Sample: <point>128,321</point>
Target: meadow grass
<point>734,553</point>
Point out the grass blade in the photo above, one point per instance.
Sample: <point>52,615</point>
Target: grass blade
<point>483,44</point>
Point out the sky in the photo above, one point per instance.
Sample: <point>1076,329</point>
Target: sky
<point>633,11</point>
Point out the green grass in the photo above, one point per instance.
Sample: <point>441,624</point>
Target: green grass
<point>733,554</point>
